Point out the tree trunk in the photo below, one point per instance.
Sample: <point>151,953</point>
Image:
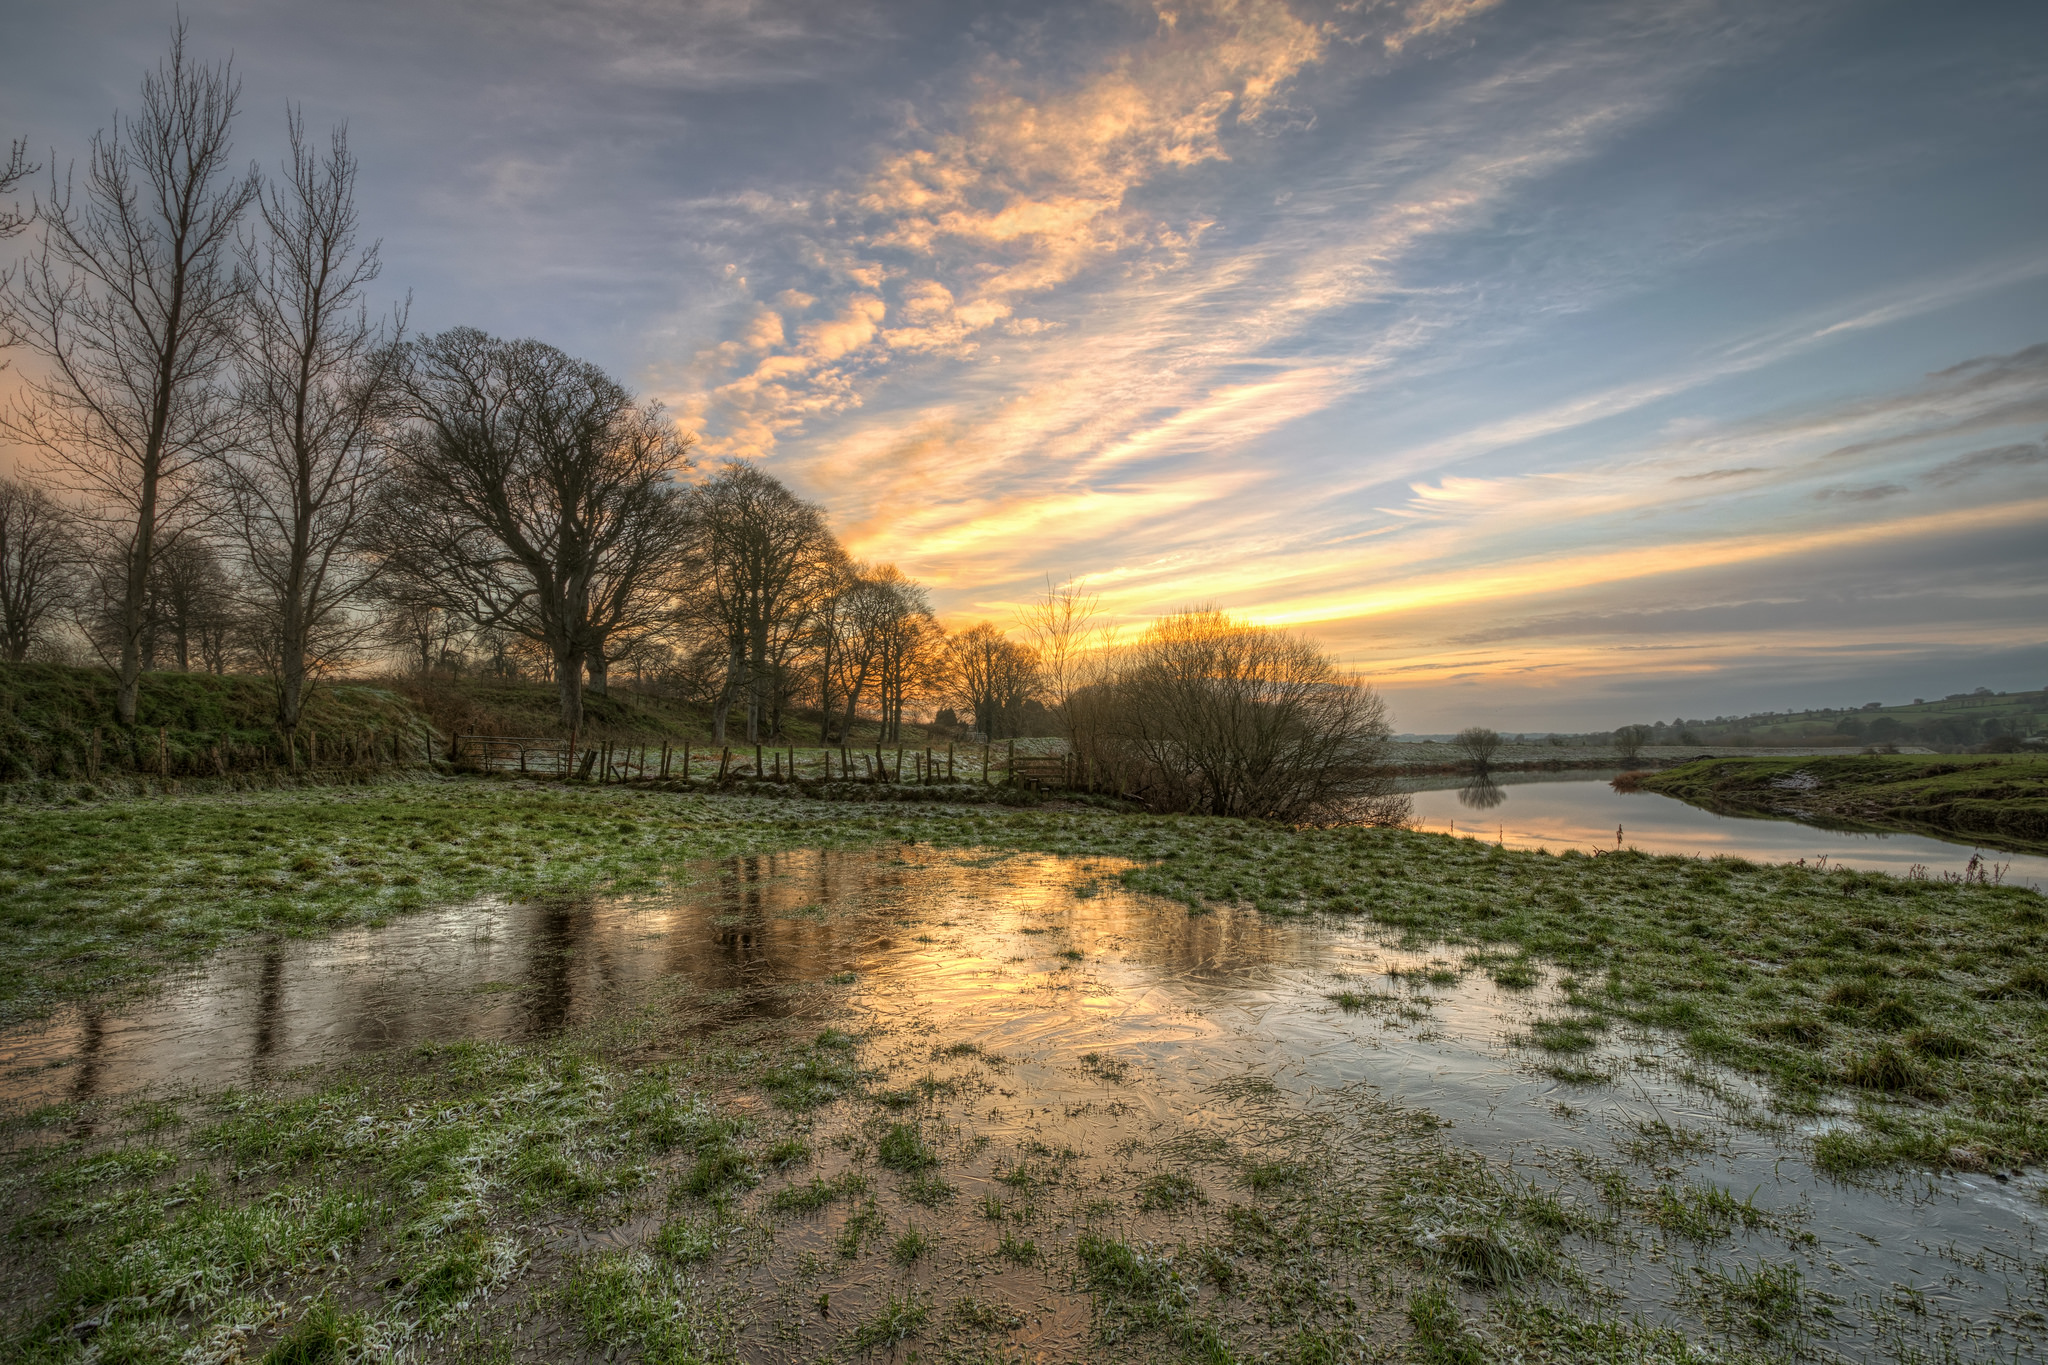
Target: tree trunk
<point>569,676</point>
<point>725,698</point>
<point>600,673</point>
<point>132,616</point>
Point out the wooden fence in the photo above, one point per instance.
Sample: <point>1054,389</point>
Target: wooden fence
<point>689,761</point>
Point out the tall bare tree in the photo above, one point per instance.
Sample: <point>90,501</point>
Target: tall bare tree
<point>314,371</point>
<point>132,302</point>
<point>38,550</point>
<point>134,305</point>
<point>765,557</point>
<point>529,491</point>
<point>1061,626</point>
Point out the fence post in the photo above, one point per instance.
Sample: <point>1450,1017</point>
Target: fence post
<point>1013,762</point>
<point>985,780</point>
<point>760,767</point>
<point>949,761</point>
<point>163,750</point>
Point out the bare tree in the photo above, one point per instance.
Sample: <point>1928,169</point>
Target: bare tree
<point>530,492</point>
<point>190,606</point>
<point>1218,716</point>
<point>912,660</point>
<point>766,559</point>
<point>38,552</point>
<point>1480,744</point>
<point>423,634</point>
<point>16,170</point>
<point>132,303</point>
<point>12,223</point>
<point>1630,739</point>
<point>992,676</point>
<point>1061,626</point>
<point>298,486</point>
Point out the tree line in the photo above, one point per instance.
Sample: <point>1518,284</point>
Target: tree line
<point>251,471</point>
<point>256,472</point>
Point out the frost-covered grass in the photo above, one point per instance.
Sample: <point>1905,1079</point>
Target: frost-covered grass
<point>549,1202</point>
<point>1925,1002</point>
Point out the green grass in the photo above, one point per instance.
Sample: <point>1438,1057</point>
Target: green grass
<point>1800,976</point>
<point>1994,796</point>
<point>48,713</point>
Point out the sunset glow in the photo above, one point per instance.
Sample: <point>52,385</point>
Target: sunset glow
<point>1558,366</point>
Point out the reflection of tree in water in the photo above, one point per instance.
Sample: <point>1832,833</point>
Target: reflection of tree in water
<point>1482,794</point>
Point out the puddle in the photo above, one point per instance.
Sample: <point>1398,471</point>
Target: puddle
<point>1557,811</point>
<point>1122,1020</point>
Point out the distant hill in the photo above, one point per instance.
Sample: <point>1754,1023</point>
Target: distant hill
<point>1958,722</point>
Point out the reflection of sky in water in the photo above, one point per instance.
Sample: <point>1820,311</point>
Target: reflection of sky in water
<point>962,948</point>
<point>1585,813</point>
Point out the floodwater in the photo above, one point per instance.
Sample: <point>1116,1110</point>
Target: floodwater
<point>1577,810</point>
<point>1078,983</point>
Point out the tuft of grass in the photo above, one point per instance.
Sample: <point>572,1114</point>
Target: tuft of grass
<point>1169,1190</point>
<point>927,1190</point>
<point>981,1316</point>
<point>1765,1302</point>
<point>816,1193</point>
<point>721,1168</point>
<point>863,1227</point>
<point>1439,1331</point>
<point>1021,1250</point>
<point>1886,1069</point>
<point>896,1320</point>
<point>912,1245</point>
<point>685,1241</point>
<point>902,1148</point>
<point>323,1335</point>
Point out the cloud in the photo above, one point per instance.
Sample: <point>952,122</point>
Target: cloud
<point>1717,474</point>
<point>1870,494</point>
<point>1978,462</point>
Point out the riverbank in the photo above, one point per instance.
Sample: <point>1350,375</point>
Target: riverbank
<point>2001,797</point>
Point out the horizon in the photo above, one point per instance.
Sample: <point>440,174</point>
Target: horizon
<point>1556,369</point>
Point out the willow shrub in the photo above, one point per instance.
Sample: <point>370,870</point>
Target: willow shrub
<point>1211,715</point>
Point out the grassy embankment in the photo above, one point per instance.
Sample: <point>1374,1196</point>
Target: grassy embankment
<point>2002,797</point>
<point>420,1202</point>
<point>222,730</point>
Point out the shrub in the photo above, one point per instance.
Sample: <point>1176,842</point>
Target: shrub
<point>1211,715</point>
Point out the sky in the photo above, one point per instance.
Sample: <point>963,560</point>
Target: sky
<point>1556,365</point>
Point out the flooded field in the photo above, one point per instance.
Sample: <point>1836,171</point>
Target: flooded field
<point>1573,810</point>
<point>1034,1115</point>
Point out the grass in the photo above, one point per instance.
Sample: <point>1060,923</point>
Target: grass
<point>1996,796</point>
<point>1755,966</point>
<point>427,1202</point>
